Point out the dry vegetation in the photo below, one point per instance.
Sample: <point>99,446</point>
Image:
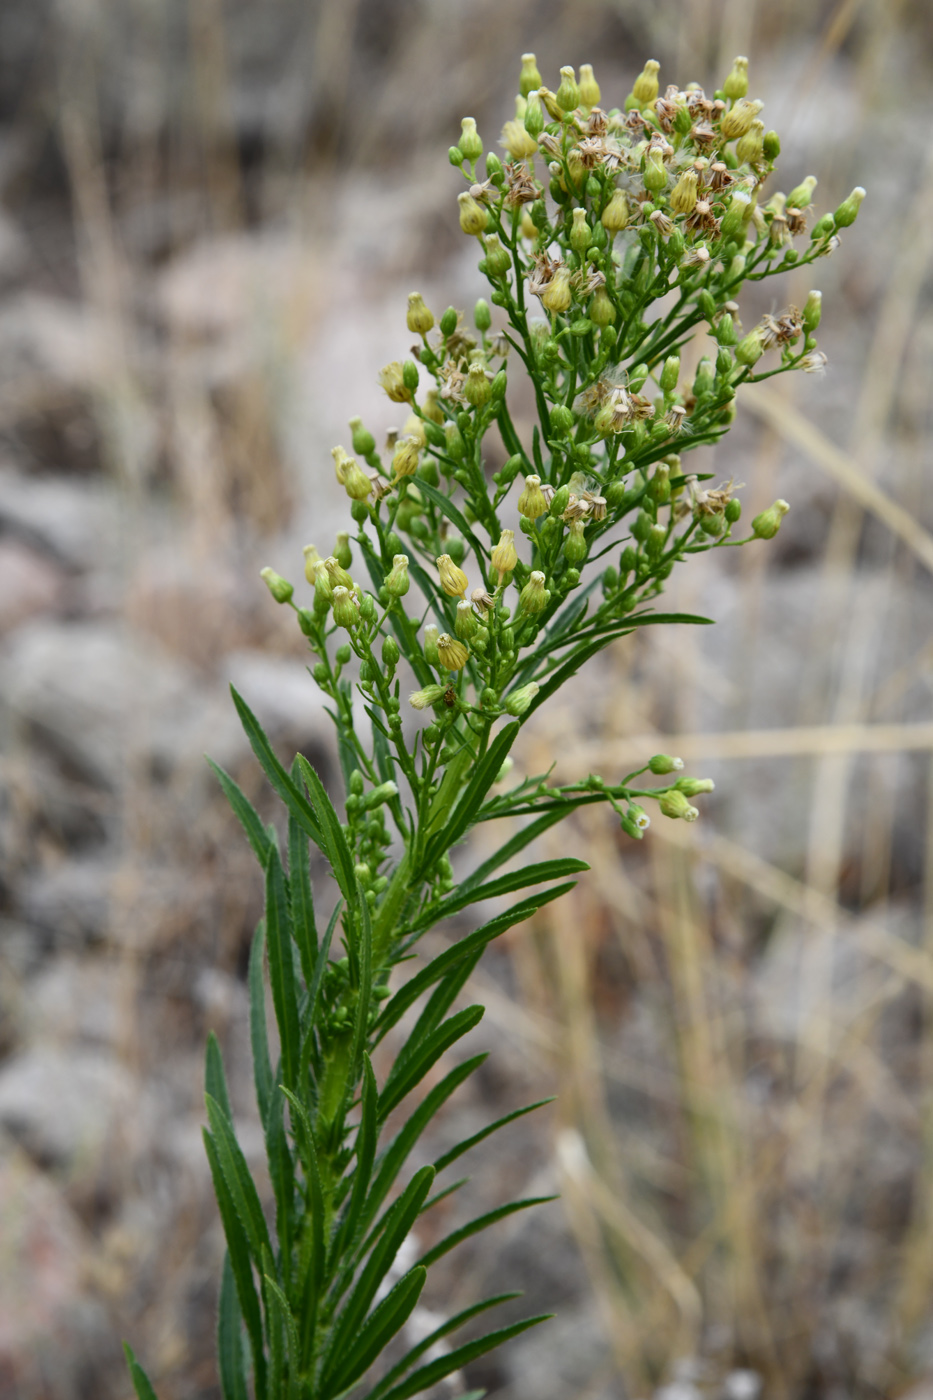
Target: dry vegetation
<point>210,217</point>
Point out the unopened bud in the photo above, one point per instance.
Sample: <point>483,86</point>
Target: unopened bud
<point>363,441</point>
<point>337,573</point>
<point>771,146</point>
<point>419,319</point>
<point>430,644</point>
<point>346,612</point>
<point>670,374</point>
<point>466,624</point>
<point>692,787</point>
<point>470,143</point>
<point>356,483</point>
<point>615,216</point>
<point>532,502</point>
<point>423,699</point>
<point>645,87</point>
<point>567,95</point>
<point>848,210</point>
<point>738,120</point>
<point>812,312</point>
<point>675,804</point>
<point>520,699</point>
<point>557,296</point>
<point>279,587</point>
<point>589,87</point>
<point>749,149</point>
<point>448,323</point>
<point>801,195</point>
<point>405,458</point>
<point>736,85</point>
<point>733,221</point>
<point>683,196</point>
<point>750,350</point>
<point>601,310</point>
<point>517,140</point>
<point>498,261</point>
<point>397,581</point>
<point>391,379</point>
<point>767,524</point>
<point>534,597</point>
<point>482,316</point>
<point>575,546</point>
<point>342,551</point>
<point>312,559</point>
<point>665,763</point>
<point>655,176</point>
<point>504,557</point>
<point>453,580</point>
<point>472,214</point>
<point>452,654</point>
<point>529,78</point>
<point>476,387</point>
<point>580,232</point>
<point>390,653</point>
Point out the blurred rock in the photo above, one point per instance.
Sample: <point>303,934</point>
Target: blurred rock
<point>69,905</point>
<point>75,523</point>
<point>79,999</point>
<point>29,584</point>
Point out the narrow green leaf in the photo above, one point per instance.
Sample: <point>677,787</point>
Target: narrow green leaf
<point>366,1140</point>
<point>314,992</point>
<point>393,1158</point>
<point>481,1222</point>
<point>240,1183</point>
<point>141,1382</point>
<point>363,958</point>
<point>231,1360</point>
<point>307,1148</point>
<point>238,1247</point>
<point>281,967</point>
<point>449,1325</point>
<point>408,994</point>
<point>447,1191</point>
<point>333,842</point>
<point>304,927</point>
<point>291,795</point>
<point>506,884</point>
<point>455,1360</point>
<point>262,1068</point>
<point>484,775</point>
<point>388,1318</point>
<point>512,847</point>
<point>401,1216</point>
<point>215,1081</point>
<point>397,1086</point>
<point>278,1303</point>
<point>461,1147</point>
<point>282,1175</point>
<point>245,812</point>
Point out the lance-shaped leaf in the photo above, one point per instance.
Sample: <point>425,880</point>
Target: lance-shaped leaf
<point>399,1084</point>
<point>141,1382</point>
<point>290,794</point>
<point>366,1140</point>
<point>455,1360</point>
<point>215,1081</point>
<point>239,1251</point>
<point>513,847</point>
<point>456,517</point>
<point>240,1183</point>
<point>245,812</point>
<point>481,1222</point>
<point>279,1310</point>
<point>304,928</point>
<point>259,1040</point>
<point>471,799</point>
<point>401,1217</point>
<point>332,840</point>
<point>472,893</point>
<point>454,1152</point>
<point>231,1358</point>
<point>377,1331</point>
<point>449,1325</point>
<point>282,967</point>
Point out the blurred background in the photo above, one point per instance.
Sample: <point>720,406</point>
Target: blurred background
<point>211,212</point>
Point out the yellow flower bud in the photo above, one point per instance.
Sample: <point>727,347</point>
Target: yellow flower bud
<point>567,95</point>
<point>279,587</point>
<point>616,213</point>
<point>530,77</point>
<point>645,88</point>
<point>420,320</point>
<point>675,804</point>
<point>405,460</point>
<point>422,699</point>
<point>337,573</point>
<point>738,120</point>
<point>342,464</point>
<point>532,503</point>
<point>504,556</point>
<point>767,524</point>
<point>556,296</point>
<point>346,609</point>
<point>312,559</point>
<point>472,214</point>
<point>749,149</point>
<point>397,580</point>
<point>453,580</point>
<point>391,379</point>
<point>736,85</point>
<point>589,87</point>
<point>516,140</point>
<point>470,142</point>
<point>356,483</point>
<point>451,652</point>
<point>683,196</point>
<point>476,388</point>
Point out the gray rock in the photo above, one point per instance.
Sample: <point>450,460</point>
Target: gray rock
<point>74,523</point>
<point>29,583</point>
<point>65,1104</point>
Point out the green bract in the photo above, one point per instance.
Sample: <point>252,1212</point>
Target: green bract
<point>608,243</point>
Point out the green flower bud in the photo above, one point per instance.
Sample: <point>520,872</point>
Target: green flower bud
<point>733,221</point>
<point>410,376</point>
<point>363,441</point>
<point>534,115</point>
<point>279,587</point>
<point>377,795</point>
<point>430,644</point>
<point>655,176</point>
<point>472,214</point>
<point>767,524</point>
<point>397,581</point>
<point>319,672</point>
<point>346,612</point>
<point>670,374</point>
<point>738,120</point>
<point>482,316</point>
<point>423,699</point>
<point>750,350</point>
<point>534,597</point>
<point>519,700</point>
<point>470,143</point>
<point>498,263</point>
<point>530,78</point>
<point>531,502</point>
<point>812,312</point>
<point>713,525</point>
<point>562,421</point>
<point>466,622</point>
<point>454,440</point>
<point>725,332</point>
<point>567,95</point>
<point>692,787</point>
<point>367,673</point>
<point>801,195</point>
<point>771,146</point>
<point>637,376</point>
<point>645,87</point>
<point>663,763</point>
<point>615,216</point>
<point>342,552</point>
<point>343,654</point>
<point>659,487</point>
<point>749,149</point>
<point>736,85</point>
<point>601,310</point>
<point>683,197</point>
<point>390,653</point>
<point>455,156</point>
<point>307,622</point>
<point>579,232</point>
<point>674,804</point>
<point>494,168</point>
<point>419,319</point>
<point>733,511</point>
<point>655,541</point>
<point>848,210</point>
<point>498,386</point>
<point>575,547</point>
<point>448,322</point>
<point>476,388</point>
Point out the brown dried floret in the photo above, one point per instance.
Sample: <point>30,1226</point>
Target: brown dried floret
<point>783,330</point>
<point>523,188</point>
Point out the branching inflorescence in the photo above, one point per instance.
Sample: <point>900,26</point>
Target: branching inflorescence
<point>610,239</point>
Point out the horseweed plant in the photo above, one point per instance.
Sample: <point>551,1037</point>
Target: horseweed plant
<point>634,229</point>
